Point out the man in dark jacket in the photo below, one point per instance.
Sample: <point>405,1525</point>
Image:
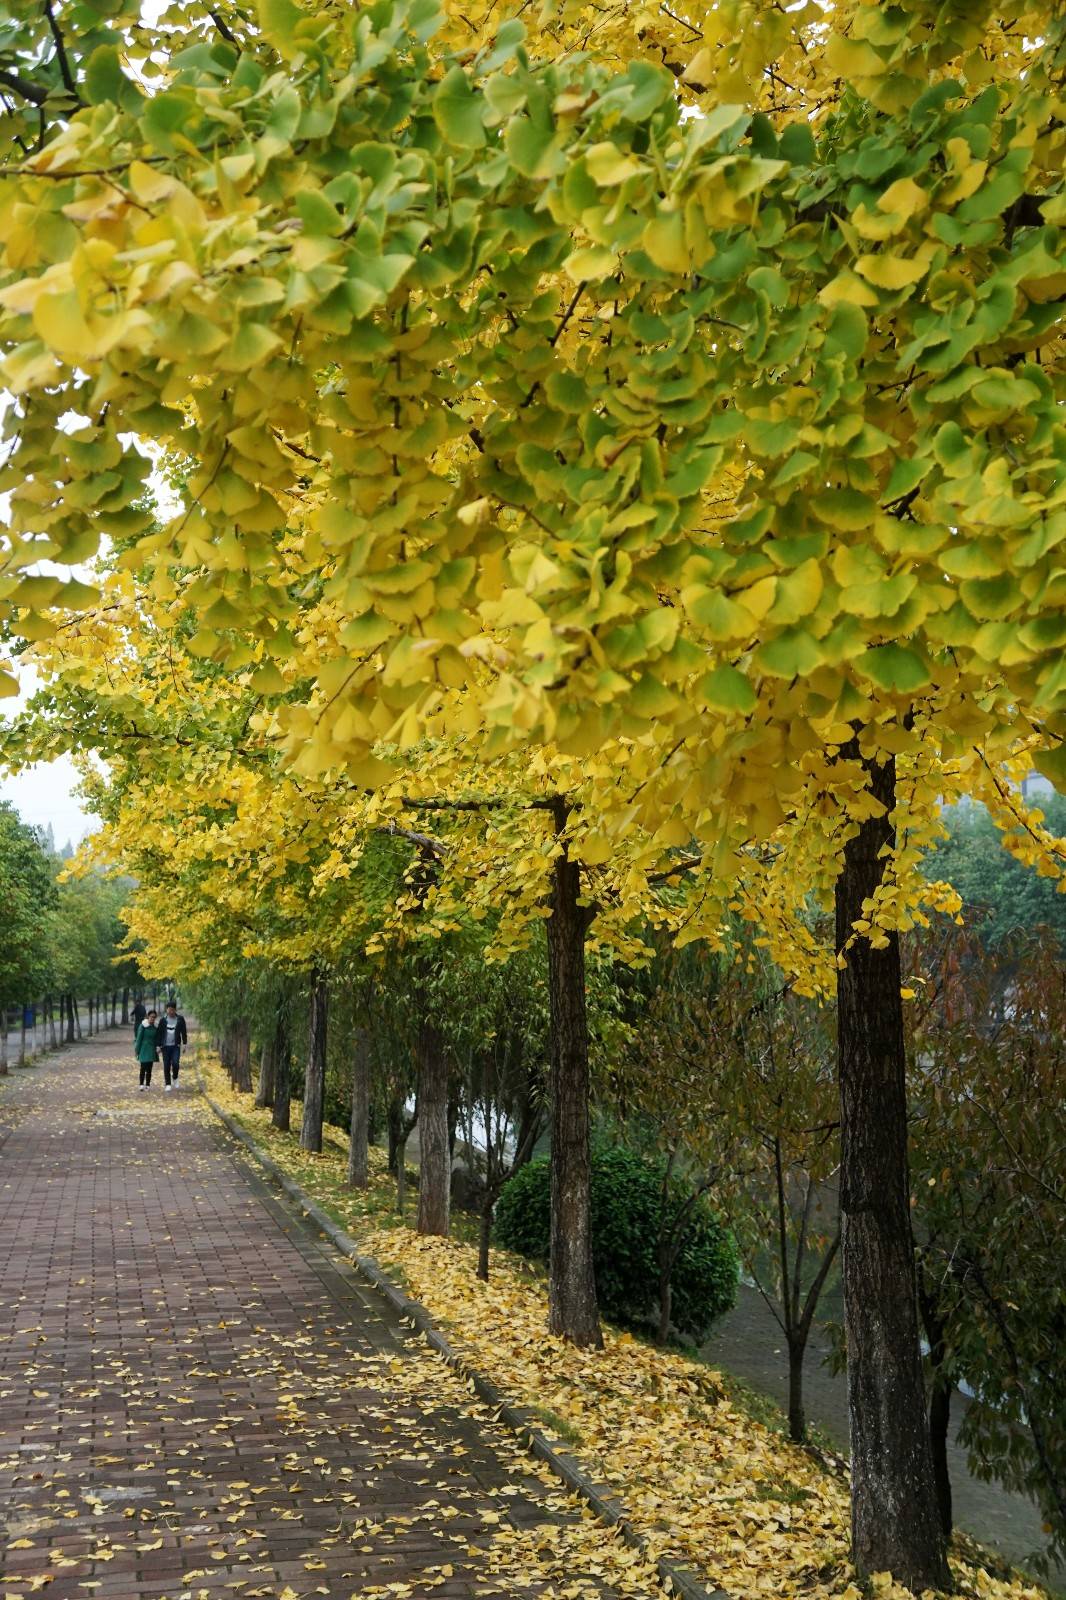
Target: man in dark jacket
<point>172,1035</point>
<point>140,1011</point>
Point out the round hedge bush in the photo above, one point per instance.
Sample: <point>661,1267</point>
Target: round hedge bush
<point>626,1212</point>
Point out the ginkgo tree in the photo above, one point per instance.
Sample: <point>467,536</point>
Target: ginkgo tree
<point>735,435</point>
<point>242,862</point>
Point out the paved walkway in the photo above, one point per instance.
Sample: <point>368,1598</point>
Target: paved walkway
<point>748,1343</point>
<point>198,1401</point>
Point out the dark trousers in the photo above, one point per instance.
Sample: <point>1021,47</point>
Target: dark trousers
<point>146,1072</point>
<point>171,1062</point>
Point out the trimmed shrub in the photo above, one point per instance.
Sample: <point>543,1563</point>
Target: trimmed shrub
<point>627,1208</point>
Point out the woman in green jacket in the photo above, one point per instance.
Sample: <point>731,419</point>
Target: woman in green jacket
<point>146,1047</point>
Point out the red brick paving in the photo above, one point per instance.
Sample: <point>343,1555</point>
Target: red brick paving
<point>197,1400</point>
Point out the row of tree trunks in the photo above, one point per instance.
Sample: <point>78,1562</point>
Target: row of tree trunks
<point>43,1034</point>
<point>235,1054</point>
<point>896,1520</point>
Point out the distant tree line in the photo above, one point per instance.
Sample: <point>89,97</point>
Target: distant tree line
<point>63,973</point>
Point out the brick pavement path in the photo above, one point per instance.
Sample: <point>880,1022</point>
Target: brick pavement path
<point>198,1400</point>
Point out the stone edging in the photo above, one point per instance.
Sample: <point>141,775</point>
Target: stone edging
<point>599,1499</point>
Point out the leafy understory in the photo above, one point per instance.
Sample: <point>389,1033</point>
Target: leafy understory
<point>702,1480</point>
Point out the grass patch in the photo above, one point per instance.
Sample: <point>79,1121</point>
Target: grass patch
<point>557,1425</point>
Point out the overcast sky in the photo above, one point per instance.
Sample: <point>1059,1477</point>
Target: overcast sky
<point>45,793</point>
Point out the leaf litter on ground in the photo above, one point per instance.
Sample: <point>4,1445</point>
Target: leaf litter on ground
<point>705,1484</point>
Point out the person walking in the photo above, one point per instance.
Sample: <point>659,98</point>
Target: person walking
<point>145,1047</point>
<point>140,1011</point>
<point>172,1035</point>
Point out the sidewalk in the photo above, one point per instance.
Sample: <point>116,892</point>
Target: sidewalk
<point>196,1400</point>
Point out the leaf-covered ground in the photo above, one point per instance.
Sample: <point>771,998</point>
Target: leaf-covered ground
<point>706,1483</point>
<point>199,1402</point>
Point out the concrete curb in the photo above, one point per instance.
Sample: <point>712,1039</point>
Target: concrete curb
<point>600,1500</point>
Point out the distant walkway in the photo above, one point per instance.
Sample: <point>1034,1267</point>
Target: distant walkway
<point>749,1344</point>
<point>197,1399</point>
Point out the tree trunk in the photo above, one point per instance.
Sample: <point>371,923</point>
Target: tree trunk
<point>315,1086</point>
<point>242,1062</point>
<point>53,1037</point>
<point>77,1015</point>
<point>3,1041</point>
<point>264,1094</point>
<point>939,1396</point>
<point>435,1168</point>
<point>894,1521</point>
<point>572,1309</point>
<point>67,1002</point>
<point>394,1123</point>
<point>401,1172</point>
<point>282,1071</point>
<point>797,1415</point>
<point>22,1036</point>
<point>359,1135</point>
<point>484,1240</point>
<point>126,1007</point>
<point>939,1422</point>
<point>530,1117</point>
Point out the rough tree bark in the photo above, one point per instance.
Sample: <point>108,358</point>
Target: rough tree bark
<point>572,1309</point>
<point>3,1041</point>
<point>359,1135</point>
<point>435,1167</point>
<point>315,1086</point>
<point>126,1007</point>
<point>70,1018</point>
<point>894,1521</point>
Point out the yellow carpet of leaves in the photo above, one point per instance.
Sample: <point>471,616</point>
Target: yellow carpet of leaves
<point>706,1484</point>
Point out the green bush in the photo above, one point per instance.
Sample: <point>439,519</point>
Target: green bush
<point>627,1206</point>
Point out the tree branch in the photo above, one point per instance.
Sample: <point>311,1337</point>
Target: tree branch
<point>61,52</point>
<point>24,88</point>
<point>227,34</point>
